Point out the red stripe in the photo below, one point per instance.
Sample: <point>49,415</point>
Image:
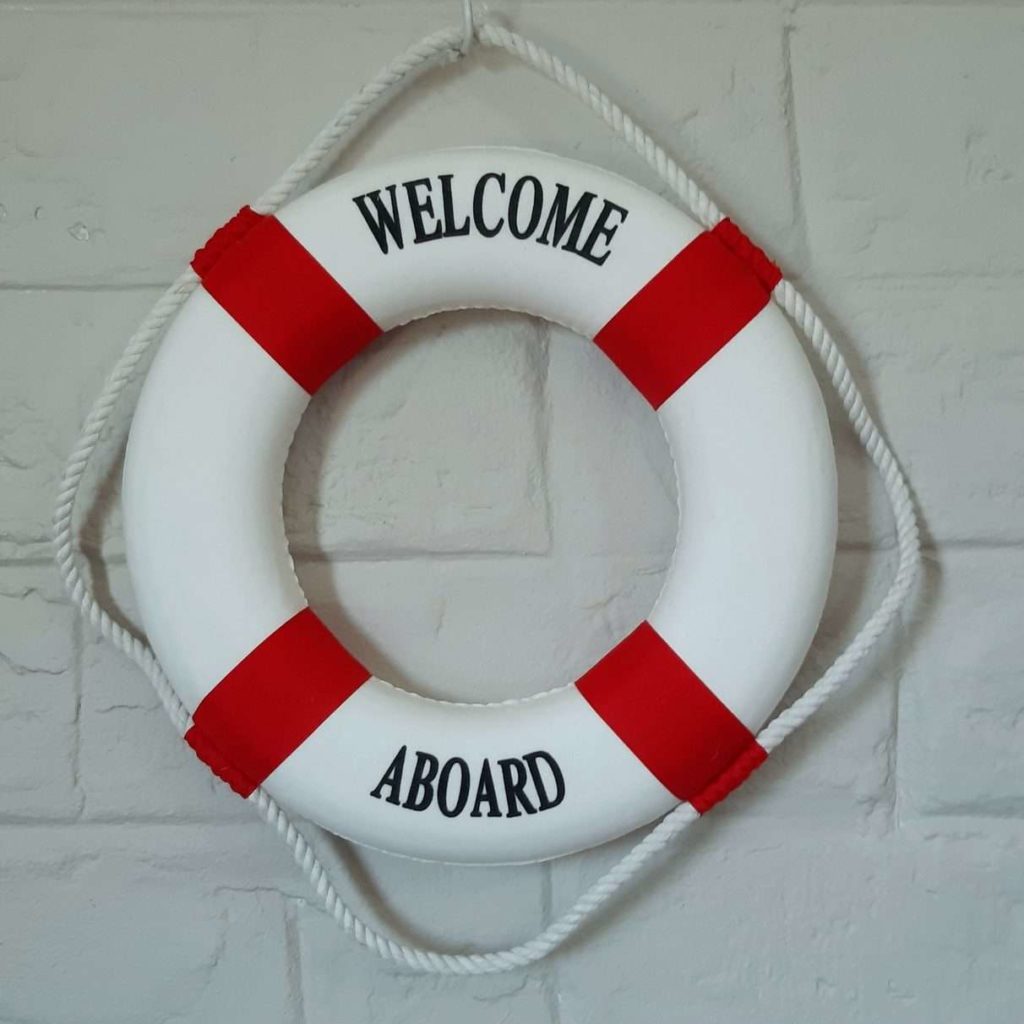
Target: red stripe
<point>272,701</point>
<point>278,293</point>
<point>732,778</point>
<point>682,733</point>
<point>688,311</point>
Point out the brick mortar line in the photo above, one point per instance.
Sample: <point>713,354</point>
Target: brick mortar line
<point>792,136</point>
<point>293,958</point>
<point>78,683</point>
<point>897,279</point>
<point>543,417</point>
<point>242,8</point>
<point>549,980</point>
<point>384,558</point>
<point>902,645</point>
<point>954,822</point>
<point>441,7</point>
<point>31,561</point>
<point>128,824</point>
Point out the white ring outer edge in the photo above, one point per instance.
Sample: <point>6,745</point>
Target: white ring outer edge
<point>213,576</point>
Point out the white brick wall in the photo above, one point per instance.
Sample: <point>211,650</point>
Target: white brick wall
<point>480,509</point>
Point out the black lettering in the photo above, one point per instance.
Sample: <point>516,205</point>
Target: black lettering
<point>602,229</point>
<point>392,779</point>
<point>478,204</point>
<point>513,207</point>
<point>447,809</point>
<point>560,219</point>
<point>544,801</point>
<point>485,793</point>
<point>448,206</point>
<point>386,222</point>
<point>421,790</point>
<point>418,206</point>
<point>450,784</point>
<point>563,227</point>
<point>515,787</point>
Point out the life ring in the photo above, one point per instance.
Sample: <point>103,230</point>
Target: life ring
<point>670,713</point>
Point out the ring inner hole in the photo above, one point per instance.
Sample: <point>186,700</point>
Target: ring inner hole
<point>480,506</point>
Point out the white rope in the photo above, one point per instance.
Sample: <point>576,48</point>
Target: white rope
<point>441,47</point>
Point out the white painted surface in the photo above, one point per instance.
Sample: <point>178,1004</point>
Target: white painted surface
<point>202,496</point>
<point>757,524</point>
<point>499,272</point>
<point>607,792</point>
<point>870,873</point>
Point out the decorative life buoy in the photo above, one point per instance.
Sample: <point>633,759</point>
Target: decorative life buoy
<point>669,714</point>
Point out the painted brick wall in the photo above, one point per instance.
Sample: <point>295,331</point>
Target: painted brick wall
<point>480,508</point>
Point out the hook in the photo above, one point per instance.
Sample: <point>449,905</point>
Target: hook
<point>468,27</point>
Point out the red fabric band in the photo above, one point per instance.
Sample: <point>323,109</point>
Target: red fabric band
<point>688,311</point>
<point>272,701</point>
<point>277,292</point>
<point>732,778</point>
<point>682,733</point>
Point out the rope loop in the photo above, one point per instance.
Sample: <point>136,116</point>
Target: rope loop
<point>432,50</point>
